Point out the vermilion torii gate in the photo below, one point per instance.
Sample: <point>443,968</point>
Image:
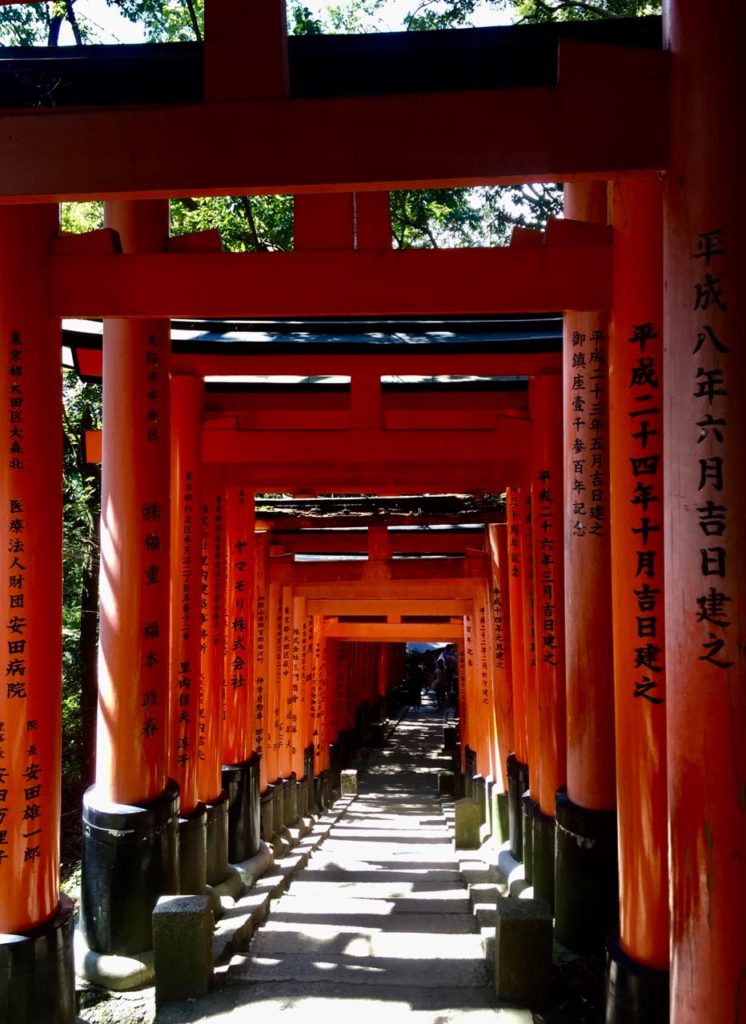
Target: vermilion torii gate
<point>633,567</point>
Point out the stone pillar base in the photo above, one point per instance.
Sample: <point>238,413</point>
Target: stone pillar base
<point>523,951</point>
<point>37,978</point>
<point>182,947</point>
<point>467,832</point>
<point>586,878</point>
<point>130,858</point>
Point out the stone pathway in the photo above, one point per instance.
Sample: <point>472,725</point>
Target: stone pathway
<point>378,924</point>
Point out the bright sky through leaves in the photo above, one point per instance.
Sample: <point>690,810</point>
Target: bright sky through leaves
<point>111,27</point>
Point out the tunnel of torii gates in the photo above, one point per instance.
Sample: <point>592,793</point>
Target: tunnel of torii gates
<point>600,627</point>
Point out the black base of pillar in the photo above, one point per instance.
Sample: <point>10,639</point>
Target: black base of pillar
<point>586,876</point>
<point>543,828</point>
<point>290,806</point>
<point>634,994</point>
<point>37,977</point>
<point>347,740</point>
<point>450,738</point>
<point>130,858</point>
<point>316,794</point>
<point>375,735</point>
<point>479,791</point>
<point>327,798</point>
<point>193,852</point>
<point>528,809</point>
<point>301,797</point>
<point>216,867</point>
<point>267,814</point>
<point>335,767</point>
<point>241,782</point>
<point>470,771</point>
<point>278,805</point>
<point>500,825</point>
<point>517,786</point>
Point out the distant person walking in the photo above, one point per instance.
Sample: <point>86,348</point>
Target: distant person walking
<point>440,683</point>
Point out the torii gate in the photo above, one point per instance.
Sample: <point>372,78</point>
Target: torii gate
<point>617,115</point>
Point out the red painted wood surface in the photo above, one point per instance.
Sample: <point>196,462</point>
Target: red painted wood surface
<point>261,655</point>
<point>132,730</point>
<point>238,702</point>
<point>515,514</point>
<point>187,396</point>
<point>401,282</point>
<point>590,695</point>
<point>549,606</point>
<point>705,416</point>
<point>210,742</point>
<point>31,601</point>
<point>338,144</point>
<point>502,657</point>
<point>636,390</point>
<point>245,50</point>
<point>300,363</point>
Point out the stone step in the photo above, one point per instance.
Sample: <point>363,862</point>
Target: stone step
<point>322,941</point>
<point>379,971</point>
<point>370,917</point>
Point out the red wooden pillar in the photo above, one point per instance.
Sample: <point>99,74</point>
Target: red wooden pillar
<point>499,654</point>
<point>549,620</point>
<point>286,682</point>
<point>304,739</point>
<point>274,657</point>
<point>518,765</point>
<point>261,655</point>
<point>501,666</point>
<point>486,717</point>
<point>705,481</point>
<point>320,701</point>
<point>241,769</point>
<point>31,694</point>
<point>502,670</point>
<point>132,731</point>
<point>298,688</point>
<point>586,883</point>
<point>212,635</point>
<point>186,551</point>
<point>636,420</point>
<point>468,688</point>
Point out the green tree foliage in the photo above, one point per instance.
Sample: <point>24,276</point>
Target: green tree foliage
<point>165,21</point>
<point>246,223</point>
<point>438,14</point>
<point>80,556</point>
<point>465,217</point>
<point>32,24</point>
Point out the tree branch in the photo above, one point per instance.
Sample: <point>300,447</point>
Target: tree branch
<point>194,20</point>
